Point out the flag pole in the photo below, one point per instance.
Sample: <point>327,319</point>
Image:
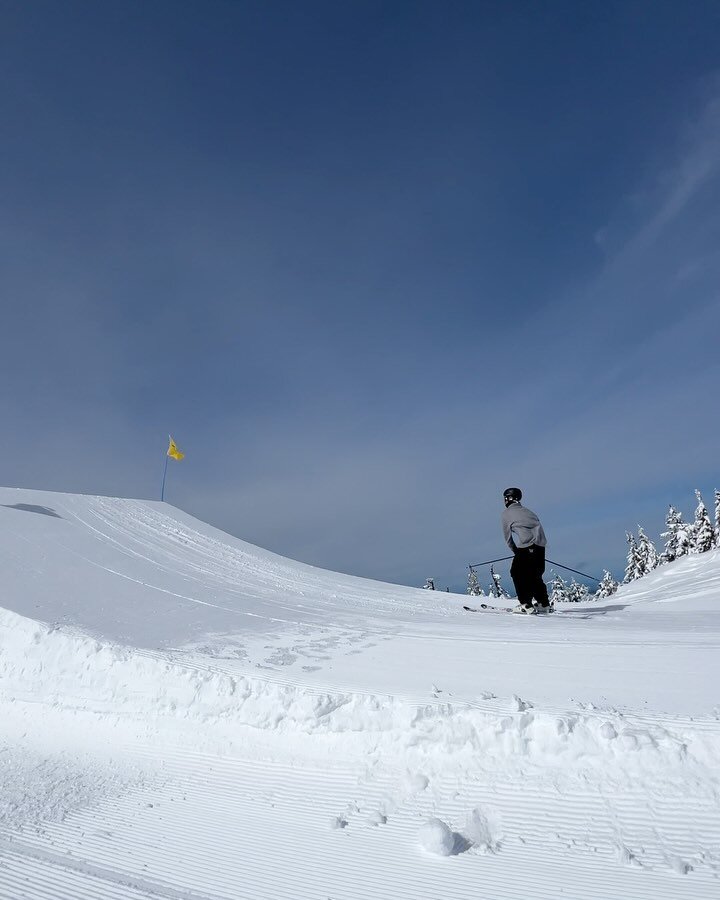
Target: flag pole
<point>162,490</point>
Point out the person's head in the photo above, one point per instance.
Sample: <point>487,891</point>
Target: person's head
<point>512,495</point>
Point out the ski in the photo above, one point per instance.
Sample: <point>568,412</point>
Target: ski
<point>564,613</point>
<point>485,607</point>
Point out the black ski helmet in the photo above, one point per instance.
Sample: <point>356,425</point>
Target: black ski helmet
<point>511,495</point>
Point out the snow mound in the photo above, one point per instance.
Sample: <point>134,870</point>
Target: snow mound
<point>66,669</point>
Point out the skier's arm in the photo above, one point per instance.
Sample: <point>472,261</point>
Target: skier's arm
<point>507,532</point>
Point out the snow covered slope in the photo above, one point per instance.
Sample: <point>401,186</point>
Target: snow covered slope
<point>187,715</point>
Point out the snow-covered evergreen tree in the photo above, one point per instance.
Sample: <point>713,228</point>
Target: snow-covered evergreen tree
<point>717,518</point>
<point>703,533</point>
<point>473,586</point>
<point>429,584</point>
<point>558,590</point>
<point>647,554</point>
<point>496,588</point>
<point>634,568</point>
<point>577,593</point>
<point>677,536</point>
<point>607,586</point>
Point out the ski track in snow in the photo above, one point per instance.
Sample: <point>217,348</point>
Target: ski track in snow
<point>188,716</point>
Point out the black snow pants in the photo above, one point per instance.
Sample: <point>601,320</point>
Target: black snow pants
<point>527,571</point>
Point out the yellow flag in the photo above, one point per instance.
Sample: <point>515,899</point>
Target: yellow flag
<point>173,451</point>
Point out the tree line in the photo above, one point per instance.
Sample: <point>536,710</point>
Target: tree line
<point>681,539</point>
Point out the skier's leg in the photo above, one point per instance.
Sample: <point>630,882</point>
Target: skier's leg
<point>539,587</point>
<point>521,575</point>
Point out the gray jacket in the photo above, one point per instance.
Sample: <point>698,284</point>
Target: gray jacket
<point>522,527</point>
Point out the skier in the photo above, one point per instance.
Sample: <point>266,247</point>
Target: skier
<point>525,537</point>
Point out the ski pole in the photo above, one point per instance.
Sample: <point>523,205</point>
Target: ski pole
<point>552,563</point>
<point>489,562</point>
<point>584,575</point>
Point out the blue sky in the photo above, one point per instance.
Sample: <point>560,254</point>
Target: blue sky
<point>370,263</point>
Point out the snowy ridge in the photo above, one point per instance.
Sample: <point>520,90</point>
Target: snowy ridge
<point>185,715</point>
<point>68,670</point>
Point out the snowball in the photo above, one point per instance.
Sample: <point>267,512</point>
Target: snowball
<point>607,730</point>
<point>436,837</point>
